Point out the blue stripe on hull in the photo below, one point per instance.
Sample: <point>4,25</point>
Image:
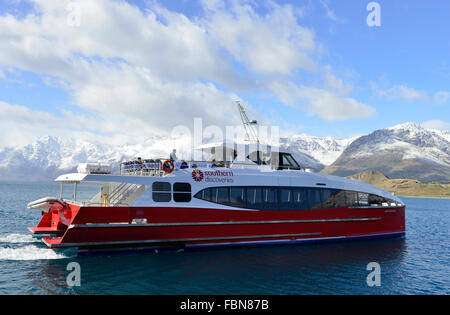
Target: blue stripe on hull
<point>135,250</point>
<point>303,241</point>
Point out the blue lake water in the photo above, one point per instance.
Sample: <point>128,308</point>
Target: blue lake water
<point>417,264</point>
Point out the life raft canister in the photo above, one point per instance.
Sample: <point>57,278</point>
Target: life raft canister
<point>168,166</point>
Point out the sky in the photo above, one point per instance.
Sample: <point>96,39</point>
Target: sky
<point>119,71</point>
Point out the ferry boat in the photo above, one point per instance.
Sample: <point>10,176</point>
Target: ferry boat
<point>253,197</point>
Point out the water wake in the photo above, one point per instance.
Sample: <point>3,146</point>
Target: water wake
<point>19,247</point>
<point>18,238</point>
<point>29,252</point>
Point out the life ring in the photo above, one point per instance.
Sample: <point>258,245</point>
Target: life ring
<point>168,166</point>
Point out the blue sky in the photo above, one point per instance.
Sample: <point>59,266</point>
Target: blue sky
<point>309,66</point>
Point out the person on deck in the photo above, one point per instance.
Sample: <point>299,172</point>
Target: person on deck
<point>173,155</point>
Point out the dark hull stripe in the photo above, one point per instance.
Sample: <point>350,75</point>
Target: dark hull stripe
<point>122,225</point>
<point>180,240</point>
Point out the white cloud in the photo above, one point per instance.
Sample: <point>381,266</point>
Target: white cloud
<point>176,49</point>
<point>336,84</point>
<point>132,72</point>
<point>20,125</point>
<point>441,97</point>
<point>127,70</point>
<point>402,92</point>
<point>436,124</point>
<point>330,13</point>
<point>274,43</point>
<point>326,104</point>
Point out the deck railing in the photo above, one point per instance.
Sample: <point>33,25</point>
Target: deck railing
<point>154,167</point>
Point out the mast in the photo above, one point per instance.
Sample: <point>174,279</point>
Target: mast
<point>251,133</point>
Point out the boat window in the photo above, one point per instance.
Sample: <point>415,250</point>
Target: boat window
<point>340,199</point>
<point>181,187</point>
<point>375,200</point>
<point>205,194</point>
<point>220,195</point>
<point>286,200</point>
<point>161,186</point>
<point>182,192</point>
<point>333,198</point>
<point>299,198</point>
<point>270,200</point>
<point>161,192</point>
<point>292,160</point>
<point>363,199</point>
<point>351,198</point>
<point>314,198</point>
<point>287,162</point>
<point>237,196</point>
<point>327,198</point>
<point>254,198</point>
<point>290,198</point>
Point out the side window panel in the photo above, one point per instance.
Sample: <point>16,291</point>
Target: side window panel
<point>351,198</point>
<point>237,197</point>
<point>213,194</point>
<point>207,195</point>
<point>182,192</point>
<point>254,198</point>
<point>223,195</point>
<point>314,198</point>
<point>375,200</point>
<point>363,199</point>
<point>161,192</point>
<point>299,198</point>
<point>327,198</point>
<point>270,199</point>
<point>286,199</point>
<point>340,199</point>
<point>181,187</point>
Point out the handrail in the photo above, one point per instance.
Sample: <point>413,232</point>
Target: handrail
<point>91,204</point>
<point>116,191</point>
<point>123,193</point>
<point>156,170</point>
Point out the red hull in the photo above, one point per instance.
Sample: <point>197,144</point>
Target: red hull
<point>105,227</point>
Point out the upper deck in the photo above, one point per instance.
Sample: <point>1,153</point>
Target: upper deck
<point>249,169</point>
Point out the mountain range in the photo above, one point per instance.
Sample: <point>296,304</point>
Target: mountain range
<point>403,151</point>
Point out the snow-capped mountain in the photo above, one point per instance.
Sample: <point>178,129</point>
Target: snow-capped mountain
<point>49,157</point>
<point>318,151</point>
<point>403,151</point>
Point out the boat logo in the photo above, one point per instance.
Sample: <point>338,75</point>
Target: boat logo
<point>197,175</point>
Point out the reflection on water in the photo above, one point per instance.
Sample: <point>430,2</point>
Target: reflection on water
<point>306,269</point>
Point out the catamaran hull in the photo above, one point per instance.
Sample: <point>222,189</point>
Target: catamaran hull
<point>158,227</point>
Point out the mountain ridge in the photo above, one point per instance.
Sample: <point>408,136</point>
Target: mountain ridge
<point>402,186</point>
<point>404,151</point>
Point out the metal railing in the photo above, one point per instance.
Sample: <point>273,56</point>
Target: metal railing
<point>154,167</point>
<point>119,197</point>
<point>122,193</point>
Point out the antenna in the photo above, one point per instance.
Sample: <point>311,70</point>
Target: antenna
<point>248,124</point>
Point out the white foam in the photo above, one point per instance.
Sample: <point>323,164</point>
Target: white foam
<point>17,238</point>
<point>29,252</point>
